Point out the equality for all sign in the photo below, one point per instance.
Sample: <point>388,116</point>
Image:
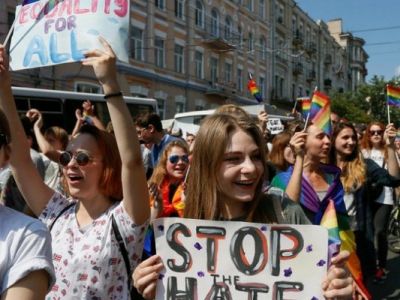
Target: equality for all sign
<point>50,32</point>
<point>239,260</point>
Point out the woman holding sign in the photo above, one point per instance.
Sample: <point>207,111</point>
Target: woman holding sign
<point>108,210</point>
<point>224,183</point>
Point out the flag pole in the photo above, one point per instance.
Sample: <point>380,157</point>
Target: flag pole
<point>306,123</point>
<point>388,111</point>
<point>10,32</point>
<point>294,106</point>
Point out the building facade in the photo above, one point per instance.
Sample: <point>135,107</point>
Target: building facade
<point>198,54</point>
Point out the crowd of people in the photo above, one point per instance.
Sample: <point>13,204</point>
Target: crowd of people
<point>91,195</point>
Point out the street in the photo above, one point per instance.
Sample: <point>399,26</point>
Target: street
<point>390,288</point>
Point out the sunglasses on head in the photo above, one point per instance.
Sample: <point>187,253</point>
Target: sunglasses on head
<point>376,132</point>
<point>173,159</point>
<point>3,140</point>
<point>81,158</point>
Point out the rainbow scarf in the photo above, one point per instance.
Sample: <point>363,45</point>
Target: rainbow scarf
<point>320,112</point>
<point>331,214</point>
<point>254,91</point>
<point>393,95</point>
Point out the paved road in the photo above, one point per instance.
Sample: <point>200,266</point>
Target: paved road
<point>390,288</point>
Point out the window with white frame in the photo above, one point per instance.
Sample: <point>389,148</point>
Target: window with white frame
<point>261,8</point>
<point>250,42</point>
<point>198,60</point>
<point>240,35</point>
<point>214,22</point>
<point>228,72</point>
<point>199,104</point>
<point>86,87</point>
<point>180,104</point>
<point>250,5</point>
<point>159,52</point>
<point>161,108</point>
<point>239,80</point>
<point>180,9</point>
<point>199,14</point>
<point>214,69</point>
<point>137,48</point>
<point>178,57</point>
<point>160,4</point>
<point>228,27</point>
<point>263,48</point>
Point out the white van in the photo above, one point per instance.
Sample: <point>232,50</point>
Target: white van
<point>189,122</point>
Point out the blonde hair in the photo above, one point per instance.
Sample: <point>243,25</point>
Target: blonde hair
<point>203,191</point>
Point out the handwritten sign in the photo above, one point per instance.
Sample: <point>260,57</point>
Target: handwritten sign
<point>239,260</point>
<point>50,32</point>
<point>275,126</point>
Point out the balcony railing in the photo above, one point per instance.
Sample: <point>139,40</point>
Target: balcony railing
<point>221,88</point>
<point>311,75</point>
<point>297,38</point>
<point>311,48</point>
<point>219,36</point>
<point>297,68</point>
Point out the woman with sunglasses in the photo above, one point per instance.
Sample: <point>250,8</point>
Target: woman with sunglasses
<point>358,176</point>
<point>378,145</point>
<point>224,183</point>
<point>166,183</point>
<point>26,268</point>
<point>109,200</point>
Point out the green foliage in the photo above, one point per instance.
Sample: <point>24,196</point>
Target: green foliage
<point>367,104</point>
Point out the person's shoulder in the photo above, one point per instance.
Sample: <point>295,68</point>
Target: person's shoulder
<point>14,220</point>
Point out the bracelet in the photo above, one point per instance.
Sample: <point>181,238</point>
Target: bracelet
<point>117,94</point>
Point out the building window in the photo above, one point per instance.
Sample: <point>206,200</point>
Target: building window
<point>228,72</point>
<point>198,59</point>
<point>281,84</point>
<point>159,53</point>
<point>214,69</point>
<point>160,4</point>
<point>250,42</point>
<point>214,22</point>
<point>199,14</point>
<point>261,8</point>
<point>180,9</point>
<point>161,108</point>
<point>228,28</point>
<point>137,44</point>
<point>180,104</point>
<point>240,36</point>
<point>280,11</point>
<point>178,55</point>
<point>262,86</point>
<point>263,48</point>
<point>85,87</point>
<point>239,80</point>
<point>250,5</point>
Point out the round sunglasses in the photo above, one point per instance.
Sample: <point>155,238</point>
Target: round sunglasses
<point>173,159</point>
<point>81,158</point>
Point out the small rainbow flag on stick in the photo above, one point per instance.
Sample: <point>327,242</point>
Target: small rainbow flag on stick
<point>320,112</point>
<point>393,95</point>
<point>305,106</point>
<point>253,89</point>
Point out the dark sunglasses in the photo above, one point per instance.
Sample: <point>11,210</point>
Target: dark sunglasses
<point>81,158</point>
<point>173,159</point>
<point>376,132</point>
<point>3,140</point>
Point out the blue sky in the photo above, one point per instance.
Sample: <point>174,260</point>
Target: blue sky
<point>366,15</point>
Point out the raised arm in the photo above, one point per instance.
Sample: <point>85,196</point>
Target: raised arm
<point>392,163</point>
<point>134,185</point>
<point>31,185</point>
<point>297,144</point>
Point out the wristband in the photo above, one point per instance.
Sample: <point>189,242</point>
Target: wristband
<point>116,94</point>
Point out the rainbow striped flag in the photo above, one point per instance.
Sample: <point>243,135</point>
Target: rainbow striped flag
<point>320,112</point>
<point>254,91</point>
<point>305,106</point>
<point>393,95</point>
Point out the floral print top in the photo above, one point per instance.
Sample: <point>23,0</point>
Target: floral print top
<point>87,260</point>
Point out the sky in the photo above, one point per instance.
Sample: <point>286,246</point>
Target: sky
<point>368,19</point>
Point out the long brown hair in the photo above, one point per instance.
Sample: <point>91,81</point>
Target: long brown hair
<point>202,194</point>
<point>276,155</point>
<point>160,171</point>
<point>353,174</point>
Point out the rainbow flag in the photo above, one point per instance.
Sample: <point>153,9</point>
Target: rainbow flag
<point>254,91</point>
<point>393,95</point>
<point>320,112</point>
<point>305,106</point>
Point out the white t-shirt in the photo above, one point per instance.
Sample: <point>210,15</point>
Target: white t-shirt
<point>386,197</point>
<point>87,261</point>
<point>25,246</point>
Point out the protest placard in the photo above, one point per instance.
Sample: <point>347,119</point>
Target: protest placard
<point>50,32</point>
<point>239,260</point>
